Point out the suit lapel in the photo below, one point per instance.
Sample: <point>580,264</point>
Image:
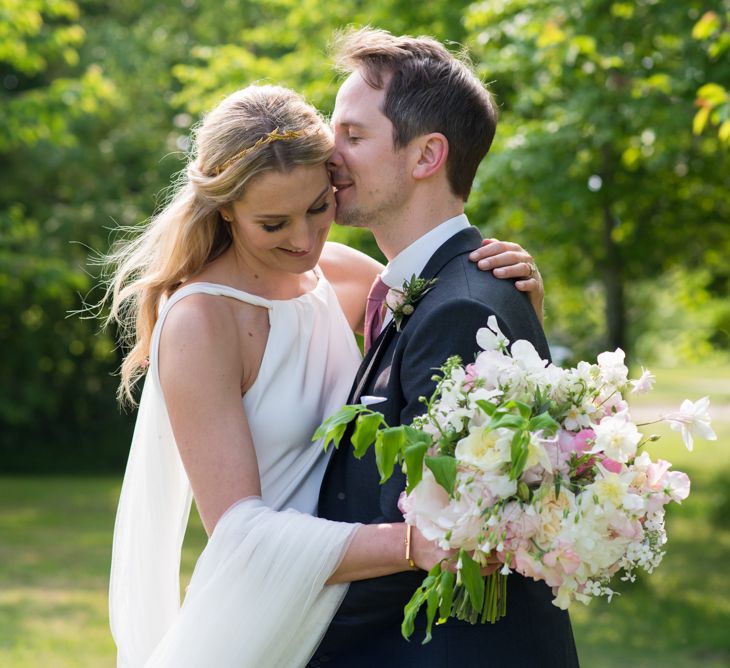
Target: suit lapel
<point>371,362</point>
<point>464,241</point>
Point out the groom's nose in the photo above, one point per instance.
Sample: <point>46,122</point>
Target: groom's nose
<point>335,160</point>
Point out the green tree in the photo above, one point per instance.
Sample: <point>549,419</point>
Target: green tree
<point>713,99</point>
<point>595,163</point>
<point>49,365</point>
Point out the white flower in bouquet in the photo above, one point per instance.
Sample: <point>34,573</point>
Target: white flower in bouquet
<point>693,419</point>
<point>578,417</point>
<point>442,519</point>
<point>613,370</point>
<point>491,337</point>
<point>617,437</point>
<point>485,449</point>
<point>612,490</point>
<point>644,384</point>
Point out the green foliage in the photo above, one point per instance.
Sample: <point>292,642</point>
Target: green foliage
<point>595,166</point>
<point>97,103</point>
<point>713,100</point>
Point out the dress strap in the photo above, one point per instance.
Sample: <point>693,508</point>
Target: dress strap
<point>213,289</point>
<point>216,289</point>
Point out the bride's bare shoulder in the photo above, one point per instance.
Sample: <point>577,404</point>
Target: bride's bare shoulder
<point>198,324</point>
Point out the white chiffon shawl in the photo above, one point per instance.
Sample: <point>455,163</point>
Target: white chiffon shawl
<point>258,596</point>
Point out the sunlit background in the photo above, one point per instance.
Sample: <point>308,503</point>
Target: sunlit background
<point>611,165</point>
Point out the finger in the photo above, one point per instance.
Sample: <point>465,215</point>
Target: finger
<point>515,270</point>
<point>522,261</point>
<point>528,285</point>
<point>490,568</point>
<point>487,249</point>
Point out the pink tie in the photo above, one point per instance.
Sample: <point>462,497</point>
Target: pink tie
<point>374,311</point>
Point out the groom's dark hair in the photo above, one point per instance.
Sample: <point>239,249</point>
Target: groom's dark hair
<point>430,90</point>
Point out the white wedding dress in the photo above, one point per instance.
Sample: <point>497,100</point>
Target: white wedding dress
<point>258,596</point>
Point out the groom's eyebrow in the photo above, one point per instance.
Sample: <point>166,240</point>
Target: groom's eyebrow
<point>346,124</point>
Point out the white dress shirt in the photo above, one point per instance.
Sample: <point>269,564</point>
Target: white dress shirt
<point>413,259</point>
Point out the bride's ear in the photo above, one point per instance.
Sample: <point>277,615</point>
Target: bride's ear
<point>226,213</point>
<point>433,150</point>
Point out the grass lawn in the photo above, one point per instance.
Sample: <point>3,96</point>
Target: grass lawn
<point>55,542</point>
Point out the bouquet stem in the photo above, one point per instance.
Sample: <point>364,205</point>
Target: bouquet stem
<point>494,606</point>
<point>481,599</point>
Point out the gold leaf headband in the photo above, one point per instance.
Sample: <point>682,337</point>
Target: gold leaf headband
<point>274,135</point>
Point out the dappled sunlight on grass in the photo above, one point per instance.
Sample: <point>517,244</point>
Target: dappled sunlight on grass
<point>54,627</point>
<point>56,546</point>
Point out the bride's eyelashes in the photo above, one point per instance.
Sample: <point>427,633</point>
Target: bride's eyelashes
<point>277,226</point>
<point>320,209</point>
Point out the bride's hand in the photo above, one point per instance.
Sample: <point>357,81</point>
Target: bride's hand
<point>507,259</point>
<point>426,554</point>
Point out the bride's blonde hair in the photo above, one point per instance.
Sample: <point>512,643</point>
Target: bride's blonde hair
<point>255,130</point>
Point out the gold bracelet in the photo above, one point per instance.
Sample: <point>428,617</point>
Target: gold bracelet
<point>409,559</point>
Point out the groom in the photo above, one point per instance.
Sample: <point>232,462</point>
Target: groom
<point>412,123</point>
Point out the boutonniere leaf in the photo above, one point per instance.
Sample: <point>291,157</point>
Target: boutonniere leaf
<point>402,303</point>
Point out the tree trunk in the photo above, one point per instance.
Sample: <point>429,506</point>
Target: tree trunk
<point>613,281</point>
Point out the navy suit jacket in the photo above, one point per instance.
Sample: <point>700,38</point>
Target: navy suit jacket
<point>399,366</point>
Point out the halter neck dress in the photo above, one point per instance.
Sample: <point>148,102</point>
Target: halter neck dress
<point>306,372</point>
<point>269,550</point>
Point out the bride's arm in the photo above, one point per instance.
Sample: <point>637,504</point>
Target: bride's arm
<point>201,373</point>
<point>351,274</point>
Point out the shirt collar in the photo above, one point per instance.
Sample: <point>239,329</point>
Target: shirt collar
<point>412,259</point>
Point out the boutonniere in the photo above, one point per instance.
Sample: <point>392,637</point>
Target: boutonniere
<point>402,303</point>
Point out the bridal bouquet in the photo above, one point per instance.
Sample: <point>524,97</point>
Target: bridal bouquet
<point>537,466</point>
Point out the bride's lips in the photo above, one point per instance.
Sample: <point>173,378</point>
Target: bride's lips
<point>292,253</point>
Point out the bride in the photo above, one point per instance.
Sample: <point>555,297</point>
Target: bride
<point>241,316</point>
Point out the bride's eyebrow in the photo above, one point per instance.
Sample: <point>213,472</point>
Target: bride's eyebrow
<point>279,216</point>
<point>326,189</point>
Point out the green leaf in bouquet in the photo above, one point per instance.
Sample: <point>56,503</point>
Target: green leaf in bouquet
<point>472,579</point>
<point>545,422</point>
<point>507,421</point>
<point>446,590</point>
<point>366,428</point>
<point>487,406</point>
<point>414,436</point>
<point>334,426</point>
<point>432,606</point>
<point>409,613</point>
<point>413,456</point>
<point>522,408</point>
<point>447,441</point>
<point>388,444</point>
<point>419,597</point>
<point>443,468</point>
<point>520,449</point>
<point>542,403</point>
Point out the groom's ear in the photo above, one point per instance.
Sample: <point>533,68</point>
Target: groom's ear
<point>432,151</point>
